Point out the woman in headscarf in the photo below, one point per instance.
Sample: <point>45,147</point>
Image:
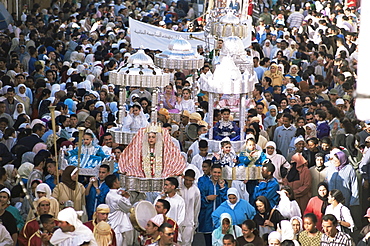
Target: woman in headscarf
<point>267,49</point>
<point>274,238</point>
<point>90,123</point>
<point>310,130</point>
<point>342,176</point>
<point>70,190</point>
<point>293,73</point>
<point>239,209</point>
<point>317,205</point>
<point>38,147</point>
<point>135,119</point>
<point>274,75</point>
<point>266,218</point>
<point>23,98</point>
<point>11,173</point>
<point>270,120</point>
<point>226,227</point>
<point>100,106</point>
<point>341,212</point>
<point>19,109</point>
<point>299,178</point>
<point>43,190</point>
<point>297,225</point>
<point>279,161</point>
<point>71,106</point>
<point>5,204</point>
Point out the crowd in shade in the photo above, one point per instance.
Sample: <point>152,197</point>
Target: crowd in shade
<point>301,130</point>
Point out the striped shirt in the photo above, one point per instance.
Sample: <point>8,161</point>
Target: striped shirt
<point>340,239</point>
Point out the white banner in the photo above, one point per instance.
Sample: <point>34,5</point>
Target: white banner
<point>156,38</point>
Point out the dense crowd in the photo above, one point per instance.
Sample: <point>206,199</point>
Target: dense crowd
<point>302,134</point>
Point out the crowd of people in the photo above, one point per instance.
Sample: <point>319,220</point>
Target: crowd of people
<point>301,131</point>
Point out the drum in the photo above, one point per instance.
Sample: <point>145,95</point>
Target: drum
<point>157,185</point>
<point>131,183</point>
<point>191,131</point>
<point>144,185</point>
<point>141,213</point>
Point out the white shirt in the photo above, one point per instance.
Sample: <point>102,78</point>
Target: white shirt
<point>191,197</point>
<point>342,213</point>
<point>198,160</point>
<point>119,206</point>
<point>177,210</point>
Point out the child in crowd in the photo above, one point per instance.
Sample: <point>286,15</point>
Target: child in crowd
<point>202,156</point>
<point>323,128</point>
<point>226,156</point>
<point>225,127</point>
<point>185,103</point>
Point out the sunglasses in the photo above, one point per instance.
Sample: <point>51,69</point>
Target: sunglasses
<point>309,119</point>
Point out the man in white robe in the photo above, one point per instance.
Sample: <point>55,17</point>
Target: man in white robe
<point>71,231</point>
<point>119,204</point>
<point>177,210</point>
<point>191,195</point>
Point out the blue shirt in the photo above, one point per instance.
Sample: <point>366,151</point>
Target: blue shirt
<point>267,189</point>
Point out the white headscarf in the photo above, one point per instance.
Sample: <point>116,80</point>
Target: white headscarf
<point>16,114</point>
<point>232,191</point>
<point>271,144</point>
<point>90,59</point>
<point>73,56</point>
<point>23,96</point>
<point>81,234</point>
<point>54,88</point>
<point>43,187</point>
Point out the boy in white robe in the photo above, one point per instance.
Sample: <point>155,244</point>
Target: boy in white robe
<point>119,204</point>
<point>191,195</point>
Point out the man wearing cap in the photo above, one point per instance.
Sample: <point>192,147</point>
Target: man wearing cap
<point>32,226</point>
<point>151,229</point>
<point>333,94</point>
<point>101,214</point>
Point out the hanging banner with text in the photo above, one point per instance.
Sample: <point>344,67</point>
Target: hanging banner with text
<point>157,38</point>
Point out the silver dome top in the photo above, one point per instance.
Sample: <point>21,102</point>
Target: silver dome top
<point>140,58</point>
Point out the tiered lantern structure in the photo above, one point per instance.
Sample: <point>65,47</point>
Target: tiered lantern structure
<point>180,55</point>
<point>235,73</point>
<point>139,71</point>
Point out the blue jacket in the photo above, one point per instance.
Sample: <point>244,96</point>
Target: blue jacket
<point>207,188</point>
<point>93,200</point>
<point>242,211</point>
<point>269,190</point>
